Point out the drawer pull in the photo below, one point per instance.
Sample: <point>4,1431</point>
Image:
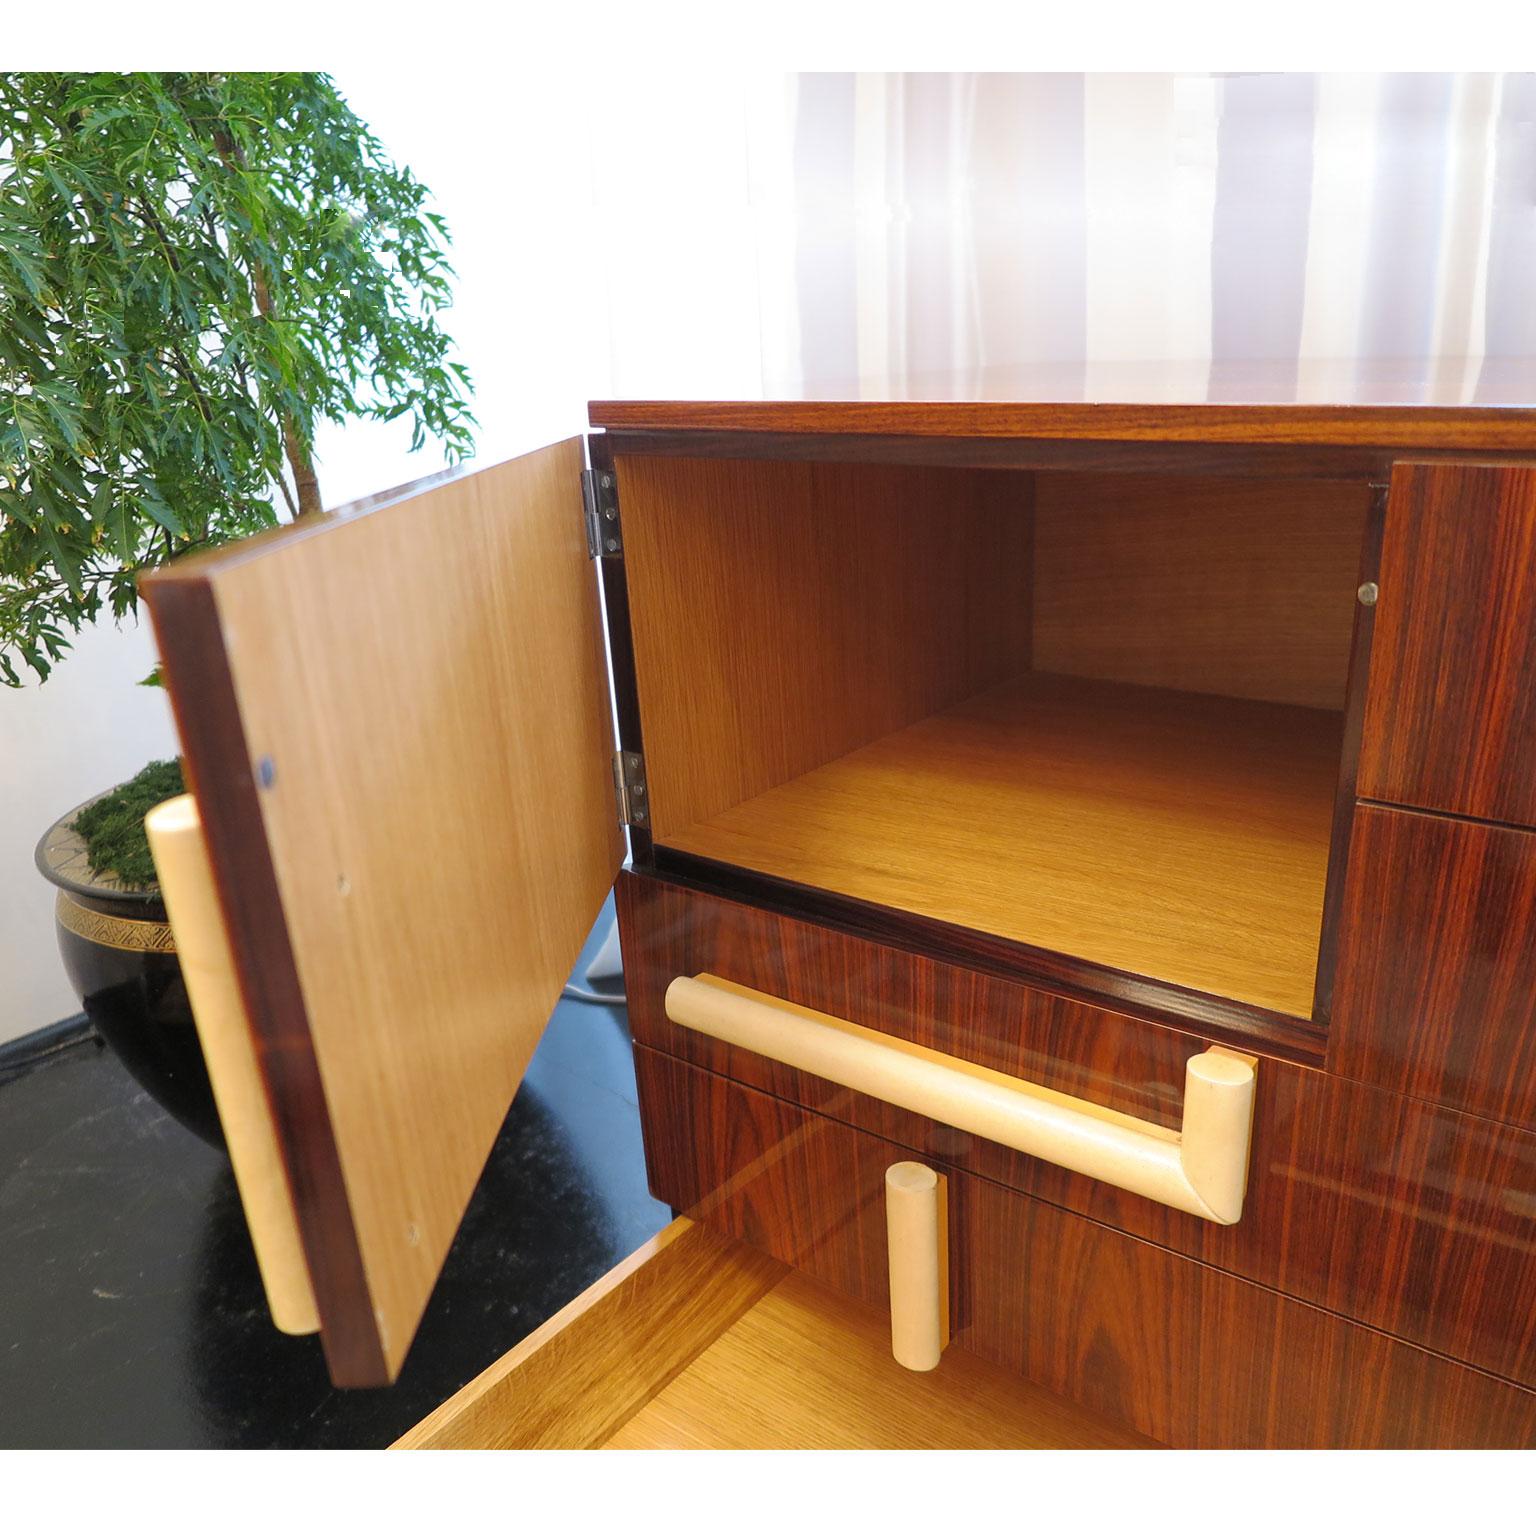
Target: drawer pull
<point>917,1247</point>
<point>229,1048</point>
<point>1202,1168</point>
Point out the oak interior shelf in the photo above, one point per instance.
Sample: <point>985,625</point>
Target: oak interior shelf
<point>1173,835</point>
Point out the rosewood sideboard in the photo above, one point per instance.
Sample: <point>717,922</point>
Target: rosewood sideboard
<point>1047,745</point>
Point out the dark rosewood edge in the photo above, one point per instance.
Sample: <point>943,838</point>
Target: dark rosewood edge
<point>1151,456</point>
<point>1242,1025</point>
<point>621,645</point>
<point>1349,764</point>
<point>1508,429</point>
<point>185,616</point>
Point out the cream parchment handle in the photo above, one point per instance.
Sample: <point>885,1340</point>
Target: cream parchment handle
<point>229,1049</point>
<point>1201,1168</point>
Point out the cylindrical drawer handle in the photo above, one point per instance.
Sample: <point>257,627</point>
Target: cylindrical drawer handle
<point>229,1049</point>
<point>917,1241</point>
<point>1201,1168</point>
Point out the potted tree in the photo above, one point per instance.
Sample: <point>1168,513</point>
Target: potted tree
<point>195,269</point>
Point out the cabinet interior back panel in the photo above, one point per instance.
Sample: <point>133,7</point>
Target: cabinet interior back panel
<point>784,614</point>
<point>1237,587</point>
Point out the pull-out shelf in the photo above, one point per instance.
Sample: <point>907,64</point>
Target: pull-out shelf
<point>699,1342</point>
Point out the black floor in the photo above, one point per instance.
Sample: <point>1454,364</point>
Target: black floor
<point>131,1312</point>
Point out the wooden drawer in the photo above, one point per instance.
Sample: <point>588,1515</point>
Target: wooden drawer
<point>1399,1214</point>
<point>700,1342</point>
<point>1436,989</point>
<point>1177,1350</point>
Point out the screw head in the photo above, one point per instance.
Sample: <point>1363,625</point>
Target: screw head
<point>607,482</point>
<point>1368,593</point>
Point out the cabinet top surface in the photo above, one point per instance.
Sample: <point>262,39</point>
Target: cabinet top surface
<point>1466,404</point>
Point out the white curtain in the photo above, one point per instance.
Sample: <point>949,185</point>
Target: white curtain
<point>911,233</point>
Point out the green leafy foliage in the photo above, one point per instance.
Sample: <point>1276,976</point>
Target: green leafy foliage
<point>194,270</point>
<point>113,827</point>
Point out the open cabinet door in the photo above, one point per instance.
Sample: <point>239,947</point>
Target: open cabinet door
<point>396,726</point>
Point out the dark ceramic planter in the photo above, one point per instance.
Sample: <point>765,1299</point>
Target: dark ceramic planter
<point>121,960</point>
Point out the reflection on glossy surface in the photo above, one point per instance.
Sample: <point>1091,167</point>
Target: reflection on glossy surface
<point>1318,239</point>
<point>131,1311</point>
<point>1397,1213</point>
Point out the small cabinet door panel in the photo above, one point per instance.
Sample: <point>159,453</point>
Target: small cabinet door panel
<point>396,725</point>
<point>1450,722</point>
<point>1436,988</point>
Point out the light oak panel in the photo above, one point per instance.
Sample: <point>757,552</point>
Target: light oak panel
<point>403,768</point>
<point>1239,587</point>
<point>571,1383</point>
<point>809,1369</point>
<point>783,614</point>
<point>1176,836</point>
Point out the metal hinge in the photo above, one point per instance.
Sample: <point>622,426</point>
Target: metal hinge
<point>629,789</point>
<point>600,507</point>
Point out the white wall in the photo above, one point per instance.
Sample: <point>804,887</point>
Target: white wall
<point>89,727</point>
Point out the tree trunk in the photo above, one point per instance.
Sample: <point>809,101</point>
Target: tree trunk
<point>306,484</point>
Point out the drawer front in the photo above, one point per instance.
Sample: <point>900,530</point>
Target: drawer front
<point>1175,1349</point>
<point>1435,992</point>
<point>1450,720</point>
<point>1404,1215</point>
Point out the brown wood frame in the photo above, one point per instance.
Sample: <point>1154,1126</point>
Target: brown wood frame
<point>1463,429</point>
<point>208,722</point>
<point>1349,765</point>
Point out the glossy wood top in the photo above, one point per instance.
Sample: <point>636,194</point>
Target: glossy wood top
<point>1422,403</point>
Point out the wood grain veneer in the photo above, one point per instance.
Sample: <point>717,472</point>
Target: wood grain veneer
<point>784,614</point>
<point>697,1341</point>
<point>809,1369</point>
<point>1236,587</point>
<point>1451,714</point>
<point>959,411</point>
<point>1177,1350</point>
<point>432,839</point>
<point>1360,461</point>
<point>1177,836</point>
<point>1192,1357</point>
<point>1396,1212</point>
<point>580,1376</point>
<point>1436,984</point>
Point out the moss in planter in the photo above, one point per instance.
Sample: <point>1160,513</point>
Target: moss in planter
<point>113,827</point>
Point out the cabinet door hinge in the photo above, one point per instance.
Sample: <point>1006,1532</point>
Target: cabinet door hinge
<point>600,508</point>
<point>629,789</point>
